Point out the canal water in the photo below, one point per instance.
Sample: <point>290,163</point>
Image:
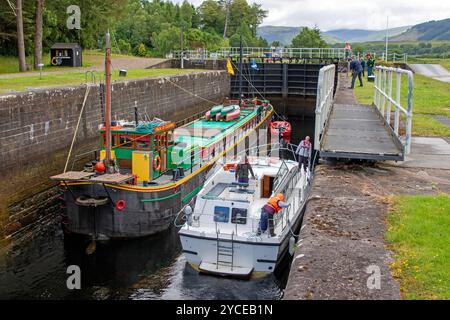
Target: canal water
<point>35,265</point>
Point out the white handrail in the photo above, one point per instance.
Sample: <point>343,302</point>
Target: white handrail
<point>383,99</point>
<point>258,52</point>
<point>324,101</point>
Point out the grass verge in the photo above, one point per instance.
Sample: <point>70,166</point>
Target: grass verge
<point>76,78</point>
<point>430,97</point>
<point>418,233</point>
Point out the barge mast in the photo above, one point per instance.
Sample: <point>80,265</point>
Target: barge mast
<point>109,168</point>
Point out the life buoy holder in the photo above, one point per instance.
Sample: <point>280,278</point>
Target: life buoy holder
<point>120,205</point>
<point>157,163</point>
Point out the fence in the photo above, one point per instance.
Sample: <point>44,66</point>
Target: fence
<point>258,52</point>
<point>324,101</point>
<point>384,100</point>
<point>394,57</point>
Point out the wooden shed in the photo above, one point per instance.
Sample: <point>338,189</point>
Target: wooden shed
<point>66,54</point>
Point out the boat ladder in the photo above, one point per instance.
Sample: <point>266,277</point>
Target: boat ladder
<point>225,251</point>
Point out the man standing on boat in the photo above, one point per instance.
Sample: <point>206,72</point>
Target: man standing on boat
<point>274,205</point>
<point>243,169</point>
<point>303,152</point>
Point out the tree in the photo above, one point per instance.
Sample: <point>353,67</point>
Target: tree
<point>166,40</point>
<point>212,16</point>
<point>275,43</point>
<point>20,36</point>
<point>38,33</point>
<point>186,13</point>
<point>226,5</point>
<point>141,50</point>
<point>309,38</point>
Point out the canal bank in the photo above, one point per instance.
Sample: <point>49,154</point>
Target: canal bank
<point>37,128</point>
<point>341,252</point>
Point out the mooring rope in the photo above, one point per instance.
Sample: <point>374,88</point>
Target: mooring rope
<point>257,91</point>
<point>88,88</point>
<point>191,93</point>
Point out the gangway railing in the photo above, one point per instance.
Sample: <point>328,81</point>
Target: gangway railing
<point>258,52</point>
<point>324,101</point>
<point>385,100</point>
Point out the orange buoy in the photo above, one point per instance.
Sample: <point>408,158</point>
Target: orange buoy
<point>157,163</point>
<point>100,167</point>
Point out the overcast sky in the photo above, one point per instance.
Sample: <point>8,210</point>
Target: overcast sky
<point>360,14</point>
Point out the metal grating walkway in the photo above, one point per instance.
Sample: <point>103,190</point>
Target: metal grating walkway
<point>358,131</point>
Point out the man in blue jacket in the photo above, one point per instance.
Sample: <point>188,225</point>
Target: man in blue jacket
<point>356,69</point>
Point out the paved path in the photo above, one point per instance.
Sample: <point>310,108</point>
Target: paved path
<point>435,71</point>
<point>117,63</point>
<point>427,152</point>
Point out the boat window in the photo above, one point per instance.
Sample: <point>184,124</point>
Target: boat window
<point>126,141</point>
<point>221,214</point>
<point>143,143</point>
<point>239,216</point>
<point>282,172</point>
<point>113,140</point>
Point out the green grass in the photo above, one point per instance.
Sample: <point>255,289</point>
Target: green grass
<point>419,234</point>
<point>90,58</point>
<point>11,64</point>
<point>75,78</point>
<point>430,97</point>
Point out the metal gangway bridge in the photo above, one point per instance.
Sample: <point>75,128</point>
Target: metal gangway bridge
<point>379,131</point>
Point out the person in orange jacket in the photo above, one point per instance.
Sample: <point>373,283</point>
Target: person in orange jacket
<point>274,205</point>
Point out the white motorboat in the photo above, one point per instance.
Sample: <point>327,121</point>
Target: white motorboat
<point>221,236</point>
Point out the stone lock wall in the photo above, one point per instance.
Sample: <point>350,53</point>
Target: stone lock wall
<point>36,129</point>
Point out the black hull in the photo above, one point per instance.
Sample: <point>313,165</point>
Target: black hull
<point>145,212</point>
<point>139,218</point>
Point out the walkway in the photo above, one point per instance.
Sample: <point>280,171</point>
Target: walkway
<point>356,131</point>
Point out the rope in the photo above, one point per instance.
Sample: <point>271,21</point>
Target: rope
<point>191,93</point>
<point>257,91</point>
<point>88,88</point>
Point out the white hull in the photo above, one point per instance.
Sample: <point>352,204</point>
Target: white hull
<point>257,255</point>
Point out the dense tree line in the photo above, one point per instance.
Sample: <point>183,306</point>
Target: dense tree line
<point>139,27</point>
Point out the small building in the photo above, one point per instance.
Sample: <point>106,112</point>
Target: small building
<point>66,54</point>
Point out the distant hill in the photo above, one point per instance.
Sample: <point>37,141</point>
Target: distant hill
<point>285,34</point>
<point>427,31</point>
<point>432,30</point>
<point>361,35</point>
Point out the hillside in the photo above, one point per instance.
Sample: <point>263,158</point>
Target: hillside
<point>428,31</point>
<point>432,30</point>
<point>285,34</point>
<point>361,35</point>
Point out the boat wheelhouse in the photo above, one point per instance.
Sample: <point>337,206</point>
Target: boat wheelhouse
<point>221,235</point>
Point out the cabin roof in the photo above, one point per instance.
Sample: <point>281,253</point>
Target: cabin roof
<point>68,45</point>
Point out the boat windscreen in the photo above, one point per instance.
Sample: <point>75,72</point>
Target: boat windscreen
<point>281,174</point>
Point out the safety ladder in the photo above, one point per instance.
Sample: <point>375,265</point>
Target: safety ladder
<point>225,251</point>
